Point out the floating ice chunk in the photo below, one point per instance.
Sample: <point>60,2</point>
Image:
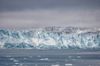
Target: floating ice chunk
<point>55,65</point>
<point>44,59</point>
<point>68,64</point>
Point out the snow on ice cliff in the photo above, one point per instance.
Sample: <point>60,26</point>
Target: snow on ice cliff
<point>51,38</point>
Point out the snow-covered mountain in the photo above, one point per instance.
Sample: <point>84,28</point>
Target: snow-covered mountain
<point>51,38</point>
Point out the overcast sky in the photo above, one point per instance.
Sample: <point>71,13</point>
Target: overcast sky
<point>23,14</point>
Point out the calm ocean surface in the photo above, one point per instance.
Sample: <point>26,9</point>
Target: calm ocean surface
<point>53,57</point>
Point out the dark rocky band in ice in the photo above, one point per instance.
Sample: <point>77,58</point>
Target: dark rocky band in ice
<point>51,38</point>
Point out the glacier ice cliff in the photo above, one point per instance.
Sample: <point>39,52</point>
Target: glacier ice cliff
<point>51,38</point>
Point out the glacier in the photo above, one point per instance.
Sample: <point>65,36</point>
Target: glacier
<point>51,38</point>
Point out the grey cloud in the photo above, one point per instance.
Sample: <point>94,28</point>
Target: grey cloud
<point>39,13</point>
<point>16,5</point>
<point>41,18</point>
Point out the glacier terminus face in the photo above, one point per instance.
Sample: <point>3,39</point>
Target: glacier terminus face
<point>51,38</point>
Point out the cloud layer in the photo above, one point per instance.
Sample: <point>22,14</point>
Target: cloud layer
<point>54,17</point>
<point>19,14</point>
